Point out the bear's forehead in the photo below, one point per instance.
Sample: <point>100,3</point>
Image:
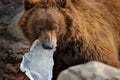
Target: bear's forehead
<point>49,15</point>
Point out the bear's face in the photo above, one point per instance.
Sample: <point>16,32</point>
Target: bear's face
<point>48,24</point>
<point>45,24</point>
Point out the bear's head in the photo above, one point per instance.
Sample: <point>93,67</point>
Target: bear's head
<point>43,20</point>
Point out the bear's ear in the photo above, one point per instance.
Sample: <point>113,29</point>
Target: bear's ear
<point>27,4</point>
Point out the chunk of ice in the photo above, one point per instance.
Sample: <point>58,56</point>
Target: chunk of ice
<point>38,62</point>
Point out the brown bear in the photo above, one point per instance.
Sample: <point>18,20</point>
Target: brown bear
<point>84,30</point>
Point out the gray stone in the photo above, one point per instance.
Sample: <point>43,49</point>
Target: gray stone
<point>14,29</point>
<point>90,71</point>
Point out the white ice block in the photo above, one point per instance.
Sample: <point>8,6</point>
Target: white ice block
<point>38,63</point>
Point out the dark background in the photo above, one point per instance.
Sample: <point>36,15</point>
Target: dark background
<point>12,43</point>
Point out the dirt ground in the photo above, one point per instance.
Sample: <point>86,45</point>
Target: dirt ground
<point>10,57</point>
<point>11,48</point>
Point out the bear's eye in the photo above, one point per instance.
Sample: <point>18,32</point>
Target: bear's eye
<point>27,5</point>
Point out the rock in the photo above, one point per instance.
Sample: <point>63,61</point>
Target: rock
<point>8,9</point>
<point>14,47</point>
<point>9,15</point>
<point>1,78</point>
<point>14,30</point>
<point>19,47</point>
<point>12,68</point>
<point>90,71</point>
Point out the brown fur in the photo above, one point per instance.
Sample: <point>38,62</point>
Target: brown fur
<point>84,30</point>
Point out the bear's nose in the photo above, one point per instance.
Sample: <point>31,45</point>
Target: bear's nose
<point>47,46</point>
<point>47,43</point>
